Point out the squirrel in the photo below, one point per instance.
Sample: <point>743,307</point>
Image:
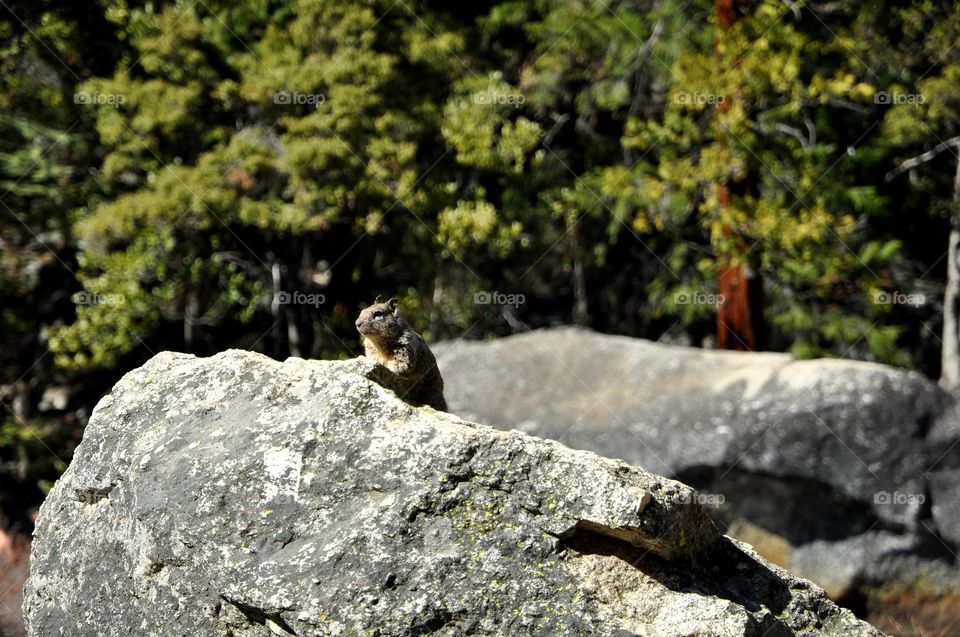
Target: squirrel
<point>390,341</point>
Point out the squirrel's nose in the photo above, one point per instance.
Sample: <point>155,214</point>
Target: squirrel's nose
<point>358,323</point>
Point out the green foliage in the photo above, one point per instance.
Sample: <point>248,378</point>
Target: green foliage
<point>46,155</point>
<point>575,137</point>
<point>479,126</point>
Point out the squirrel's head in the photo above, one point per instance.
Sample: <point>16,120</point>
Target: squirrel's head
<point>381,320</point>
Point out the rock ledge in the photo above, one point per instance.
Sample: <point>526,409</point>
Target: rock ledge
<point>235,495</point>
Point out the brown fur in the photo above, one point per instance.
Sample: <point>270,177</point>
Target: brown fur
<point>391,342</point>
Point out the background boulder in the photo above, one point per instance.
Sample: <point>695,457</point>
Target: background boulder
<point>235,495</point>
<point>842,471</point>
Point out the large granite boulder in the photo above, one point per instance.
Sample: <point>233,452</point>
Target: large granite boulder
<point>838,460</point>
<point>235,495</point>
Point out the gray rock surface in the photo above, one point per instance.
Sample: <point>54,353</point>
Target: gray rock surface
<point>817,452</point>
<point>235,495</point>
<point>945,494</point>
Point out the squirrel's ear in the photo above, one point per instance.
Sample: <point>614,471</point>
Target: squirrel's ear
<point>377,300</point>
<point>393,304</point>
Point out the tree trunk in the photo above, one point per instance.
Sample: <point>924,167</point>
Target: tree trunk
<point>726,14</point>
<point>191,312</point>
<point>581,306</point>
<point>581,314</point>
<point>740,323</point>
<point>950,353</point>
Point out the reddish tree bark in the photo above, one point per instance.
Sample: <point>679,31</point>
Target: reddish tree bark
<point>726,14</point>
<point>740,323</point>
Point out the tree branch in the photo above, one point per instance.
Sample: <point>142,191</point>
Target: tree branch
<point>805,142</point>
<point>847,104</point>
<point>794,8</point>
<point>922,158</point>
